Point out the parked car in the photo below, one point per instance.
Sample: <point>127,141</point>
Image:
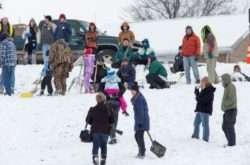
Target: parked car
<point>107,45</point>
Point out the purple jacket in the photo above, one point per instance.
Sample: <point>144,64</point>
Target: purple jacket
<point>89,64</point>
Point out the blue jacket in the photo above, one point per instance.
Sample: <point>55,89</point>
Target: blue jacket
<point>127,74</point>
<point>63,31</point>
<point>46,72</point>
<point>7,53</point>
<point>141,112</point>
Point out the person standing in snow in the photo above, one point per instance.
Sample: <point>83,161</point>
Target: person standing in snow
<point>47,77</point>
<point>63,29</point>
<point>157,76</point>
<point>47,37</point>
<point>141,118</point>
<point>61,60</point>
<point>89,60</point>
<point>126,33</point>
<point>91,38</point>
<point>238,75</point>
<point>32,36</point>
<point>210,51</point>
<point>6,27</point>
<point>101,120</point>
<point>204,108</point>
<point>229,107</point>
<point>191,52</point>
<point>8,61</point>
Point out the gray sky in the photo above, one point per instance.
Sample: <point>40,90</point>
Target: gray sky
<point>100,11</point>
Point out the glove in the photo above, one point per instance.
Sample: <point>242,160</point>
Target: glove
<point>125,113</point>
<point>210,56</point>
<point>140,126</point>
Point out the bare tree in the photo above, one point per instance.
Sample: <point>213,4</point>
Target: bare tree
<point>168,9</point>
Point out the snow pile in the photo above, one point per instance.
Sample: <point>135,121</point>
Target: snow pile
<point>44,130</point>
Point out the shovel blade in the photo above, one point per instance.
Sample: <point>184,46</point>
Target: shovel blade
<point>158,149</point>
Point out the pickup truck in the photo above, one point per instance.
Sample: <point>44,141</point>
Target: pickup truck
<point>107,45</point>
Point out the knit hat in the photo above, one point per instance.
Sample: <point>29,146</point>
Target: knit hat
<point>88,51</point>
<point>110,73</point>
<point>3,36</point>
<point>100,97</point>
<point>189,27</point>
<point>48,17</point>
<point>62,16</point>
<point>135,87</point>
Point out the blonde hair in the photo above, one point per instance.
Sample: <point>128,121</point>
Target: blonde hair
<point>100,97</point>
<point>206,81</point>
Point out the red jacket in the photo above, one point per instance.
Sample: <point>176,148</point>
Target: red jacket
<point>91,39</point>
<point>191,45</point>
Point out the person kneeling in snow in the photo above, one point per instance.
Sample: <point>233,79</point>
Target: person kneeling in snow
<point>178,63</point>
<point>89,60</point>
<point>141,118</point>
<point>204,108</point>
<point>238,75</point>
<point>47,76</point>
<point>100,118</point>
<point>157,77</point>
<point>127,74</point>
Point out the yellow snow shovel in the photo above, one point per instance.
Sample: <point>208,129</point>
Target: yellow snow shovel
<point>30,94</point>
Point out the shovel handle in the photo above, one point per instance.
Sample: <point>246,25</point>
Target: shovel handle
<point>150,137</point>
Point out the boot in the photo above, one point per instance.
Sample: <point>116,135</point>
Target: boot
<point>95,160</point>
<point>113,141</point>
<point>103,160</point>
<point>41,93</point>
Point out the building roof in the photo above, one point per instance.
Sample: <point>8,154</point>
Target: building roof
<point>165,36</point>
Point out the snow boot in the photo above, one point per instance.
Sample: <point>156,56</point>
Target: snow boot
<point>41,93</point>
<point>95,160</point>
<point>113,141</point>
<point>103,160</point>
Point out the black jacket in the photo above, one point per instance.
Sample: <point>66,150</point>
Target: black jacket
<point>101,73</point>
<point>100,118</point>
<point>205,99</point>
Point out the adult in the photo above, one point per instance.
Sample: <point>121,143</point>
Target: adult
<point>141,118</point>
<point>178,62</point>
<point>127,74</point>
<point>210,52</point>
<point>32,36</point>
<point>8,60</point>
<point>91,38</point>
<point>126,33</point>
<point>144,54</point>
<point>191,52</point>
<point>47,37</point>
<point>157,76</point>
<point>125,51</point>
<point>6,27</point>
<point>229,107</point>
<point>61,59</point>
<point>204,95</point>
<point>101,120</point>
<point>63,29</point>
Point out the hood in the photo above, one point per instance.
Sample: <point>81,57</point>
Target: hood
<point>125,24</point>
<point>145,43</point>
<point>204,32</point>
<point>226,79</point>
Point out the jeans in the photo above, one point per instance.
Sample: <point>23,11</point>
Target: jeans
<point>211,65</point>
<point>45,50</point>
<point>99,141</point>
<point>190,62</point>
<point>139,137</point>
<point>13,79</point>
<point>1,83</point>
<point>203,118</point>
<point>229,120</point>
<point>7,76</point>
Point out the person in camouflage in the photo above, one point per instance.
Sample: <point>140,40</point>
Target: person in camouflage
<point>61,61</point>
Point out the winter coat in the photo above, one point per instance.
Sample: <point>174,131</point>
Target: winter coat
<point>178,63</point>
<point>60,53</point>
<point>157,68</point>
<point>229,100</point>
<point>146,51</point>
<point>205,99</point>
<point>111,82</point>
<point>239,76</point>
<point>126,34</point>
<point>8,55</point>
<point>127,74</point>
<point>101,73</point>
<point>100,118</point>
<point>10,30</point>
<point>191,45</point>
<point>91,39</point>
<point>141,116</point>
<point>27,31</point>
<point>121,88</point>
<point>63,31</point>
<point>46,72</point>
<point>124,53</point>
<point>47,33</point>
<point>89,62</point>
<point>210,46</point>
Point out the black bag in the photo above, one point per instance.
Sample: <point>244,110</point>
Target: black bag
<point>158,149</point>
<point>85,135</point>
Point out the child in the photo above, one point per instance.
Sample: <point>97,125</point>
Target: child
<point>238,75</point>
<point>89,60</point>
<point>112,88</point>
<point>47,76</point>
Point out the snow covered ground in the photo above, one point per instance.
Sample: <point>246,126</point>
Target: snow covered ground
<point>45,130</point>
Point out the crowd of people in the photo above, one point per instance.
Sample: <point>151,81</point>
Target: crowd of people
<point>103,118</point>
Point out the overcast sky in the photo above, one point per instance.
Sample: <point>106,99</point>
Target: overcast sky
<point>100,11</point>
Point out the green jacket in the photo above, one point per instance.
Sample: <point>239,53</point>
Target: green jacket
<point>121,54</point>
<point>157,68</point>
<point>229,100</point>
